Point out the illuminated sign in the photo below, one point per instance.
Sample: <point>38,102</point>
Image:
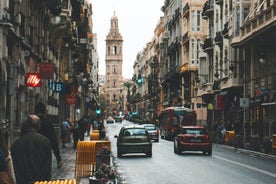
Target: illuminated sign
<point>33,80</point>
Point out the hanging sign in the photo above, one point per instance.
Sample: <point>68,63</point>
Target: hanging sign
<point>33,80</point>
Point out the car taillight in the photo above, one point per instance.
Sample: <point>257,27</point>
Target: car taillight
<point>185,138</point>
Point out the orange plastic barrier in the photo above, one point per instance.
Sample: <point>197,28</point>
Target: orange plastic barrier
<point>95,131</point>
<point>274,144</point>
<point>229,137</point>
<point>86,157</point>
<point>94,136</point>
<point>73,181</point>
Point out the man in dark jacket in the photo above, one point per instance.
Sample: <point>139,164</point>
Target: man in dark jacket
<point>32,154</point>
<point>47,129</point>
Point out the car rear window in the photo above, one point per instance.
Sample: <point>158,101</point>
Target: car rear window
<point>193,131</point>
<point>134,132</point>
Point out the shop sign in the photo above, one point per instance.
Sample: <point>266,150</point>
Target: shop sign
<point>33,80</point>
<point>47,70</point>
<point>71,98</point>
<point>57,87</point>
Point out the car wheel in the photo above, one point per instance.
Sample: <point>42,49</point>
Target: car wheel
<point>149,154</point>
<point>176,149</point>
<point>119,154</point>
<point>209,152</point>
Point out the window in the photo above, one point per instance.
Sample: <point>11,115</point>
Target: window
<point>114,50</point>
<point>195,20</point>
<point>195,48</point>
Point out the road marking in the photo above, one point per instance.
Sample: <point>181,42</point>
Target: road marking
<point>247,166</point>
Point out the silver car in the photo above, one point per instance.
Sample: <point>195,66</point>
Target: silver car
<point>153,131</point>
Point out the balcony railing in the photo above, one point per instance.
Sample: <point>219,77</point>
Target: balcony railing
<point>207,45</point>
<point>185,38</point>
<point>219,2</point>
<point>219,38</point>
<point>172,72</point>
<point>225,31</point>
<point>186,9</point>
<point>258,22</point>
<point>208,9</point>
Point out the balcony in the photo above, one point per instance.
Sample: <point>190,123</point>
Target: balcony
<point>171,73</point>
<point>206,89</point>
<point>208,9</point>
<point>219,38</point>
<point>185,10</point>
<point>261,22</point>
<point>230,82</point>
<point>219,2</point>
<point>185,38</point>
<point>225,31</point>
<point>207,45</point>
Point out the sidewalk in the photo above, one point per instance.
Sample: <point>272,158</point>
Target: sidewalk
<point>68,156</point>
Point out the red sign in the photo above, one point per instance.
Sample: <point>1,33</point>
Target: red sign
<point>71,98</point>
<point>33,80</point>
<point>47,70</point>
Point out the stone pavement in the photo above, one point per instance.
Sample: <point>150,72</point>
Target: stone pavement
<point>67,171</point>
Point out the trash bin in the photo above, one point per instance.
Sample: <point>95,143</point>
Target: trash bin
<point>274,144</point>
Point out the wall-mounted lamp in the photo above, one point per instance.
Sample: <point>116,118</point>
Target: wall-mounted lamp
<point>262,58</point>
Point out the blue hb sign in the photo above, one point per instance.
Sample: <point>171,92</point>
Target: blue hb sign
<point>57,87</point>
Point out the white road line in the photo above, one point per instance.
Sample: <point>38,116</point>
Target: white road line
<point>247,166</point>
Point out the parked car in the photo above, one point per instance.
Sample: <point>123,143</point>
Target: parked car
<point>193,138</point>
<point>109,120</point>
<point>133,139</point>
<point>153,131</point>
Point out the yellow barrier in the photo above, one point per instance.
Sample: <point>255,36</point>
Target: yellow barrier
<point>94,136</point>
<point>95,131</point>
<point>73,181</point>
<point>274,144</point>
<point>86,156</point>
<point>229,137</point>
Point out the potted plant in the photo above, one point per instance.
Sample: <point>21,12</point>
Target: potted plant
<point>106,174</point>
<point>103,156</point>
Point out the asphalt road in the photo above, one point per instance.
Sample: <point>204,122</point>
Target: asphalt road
<point>225,166</point>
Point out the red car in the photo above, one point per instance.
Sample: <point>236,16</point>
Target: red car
<point>193,138</point>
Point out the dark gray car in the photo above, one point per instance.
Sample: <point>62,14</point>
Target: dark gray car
<point>133,139</point>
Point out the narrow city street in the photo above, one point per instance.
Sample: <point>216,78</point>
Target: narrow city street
<point>226,164</point>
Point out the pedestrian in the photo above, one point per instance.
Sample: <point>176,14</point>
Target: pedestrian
<point>8,158</point>
<point>32,153</point>
<point>88,126</point>
<point>4,177</point>
<point>65,132</point>
<point>47,129</point>
<point>75,132</point>
<point>82,126</point>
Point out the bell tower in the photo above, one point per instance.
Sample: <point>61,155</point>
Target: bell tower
<point>113,61</point>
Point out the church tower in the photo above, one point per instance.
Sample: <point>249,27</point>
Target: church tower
<point>113,61</point>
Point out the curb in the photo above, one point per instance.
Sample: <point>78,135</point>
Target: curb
<point>256,153</point>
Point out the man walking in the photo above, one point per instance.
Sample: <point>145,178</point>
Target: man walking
<point>31,154</point>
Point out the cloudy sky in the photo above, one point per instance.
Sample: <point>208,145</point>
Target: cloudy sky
<point>137,21</point>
